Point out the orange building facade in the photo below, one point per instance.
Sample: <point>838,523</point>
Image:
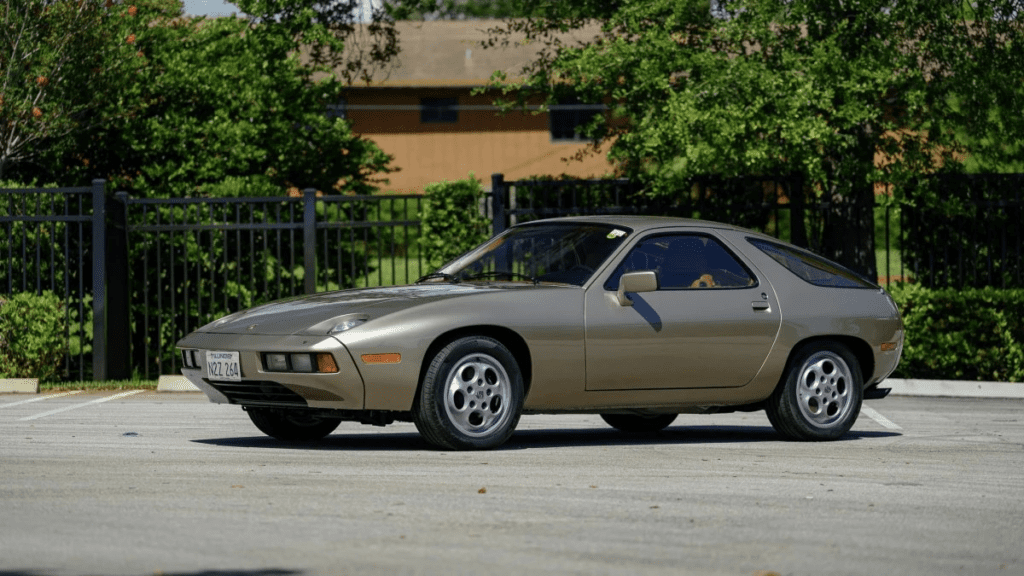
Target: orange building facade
<point>425,115</point>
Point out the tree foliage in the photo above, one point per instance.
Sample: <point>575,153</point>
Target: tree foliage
<point>850,94</point>
<point>962,334</point>
<point>452,223</point>
<point>59,61</point>
<point>234,106</point>
<point>33,340</point>
<point>179,106</point>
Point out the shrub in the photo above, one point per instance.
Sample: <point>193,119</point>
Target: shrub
<point>969,334</point>
<point>451,220</point>
<point>33,336</point>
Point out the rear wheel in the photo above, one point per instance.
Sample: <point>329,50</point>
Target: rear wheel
<point>292,425</point>
<point>635,424</point>
<point>821,395</point>
<point>471,395</point>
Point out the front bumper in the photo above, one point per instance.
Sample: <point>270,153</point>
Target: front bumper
<point>340,390</point>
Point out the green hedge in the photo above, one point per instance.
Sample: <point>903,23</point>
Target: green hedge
<point>968,334</point>
<point>451,220</point>
<point>33,336</point>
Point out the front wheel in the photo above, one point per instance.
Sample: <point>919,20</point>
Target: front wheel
<point>292,425</point>
<point>635,424</point>
<point>821,395</point>
<point>471,395</point>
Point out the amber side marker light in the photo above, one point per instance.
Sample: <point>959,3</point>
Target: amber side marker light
<point>325,363</point>
<point>382,358</point>
<point>888,346</point>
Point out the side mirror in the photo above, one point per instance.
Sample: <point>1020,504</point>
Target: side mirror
<point>646,281</point>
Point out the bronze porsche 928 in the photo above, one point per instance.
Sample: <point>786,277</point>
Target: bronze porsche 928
<point>637,319</point>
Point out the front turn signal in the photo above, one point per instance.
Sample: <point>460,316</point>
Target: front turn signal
<point>325,363</point>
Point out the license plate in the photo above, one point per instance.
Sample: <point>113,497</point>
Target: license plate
<point>223,366</point>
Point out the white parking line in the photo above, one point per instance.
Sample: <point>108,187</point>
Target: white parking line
<point>82,405</point>
<point>38,398</point>
<point>874,415</point>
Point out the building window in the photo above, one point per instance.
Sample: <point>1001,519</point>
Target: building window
<point>568,116</point>
<point>439,110</point>
<point>338,109</point>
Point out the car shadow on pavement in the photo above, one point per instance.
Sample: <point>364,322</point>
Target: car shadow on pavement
<point>671,435</point>
<point>536,438</point>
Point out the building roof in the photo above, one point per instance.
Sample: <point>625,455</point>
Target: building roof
<point>449,53</point>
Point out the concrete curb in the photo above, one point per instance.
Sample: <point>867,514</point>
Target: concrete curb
<point>953,388</point>
<point>175,384</point>
<point>19,386</point>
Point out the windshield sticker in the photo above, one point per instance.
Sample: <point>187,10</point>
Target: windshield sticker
<point>616,234</point>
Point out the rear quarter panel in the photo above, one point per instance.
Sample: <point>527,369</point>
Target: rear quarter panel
<point>816,312</point>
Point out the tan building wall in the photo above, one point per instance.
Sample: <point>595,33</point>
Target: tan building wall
<point>482,141</point>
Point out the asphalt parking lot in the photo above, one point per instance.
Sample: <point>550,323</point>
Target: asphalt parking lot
<point>150,483</point>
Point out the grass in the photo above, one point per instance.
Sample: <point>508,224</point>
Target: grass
<point>896,268</point>
<point>95,385</point>
<point>393,271</point>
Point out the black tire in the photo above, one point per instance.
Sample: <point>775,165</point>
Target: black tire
<point>292,425</point>
<point>635,424</point>
<point>471,395</point>
<point>821,395</point>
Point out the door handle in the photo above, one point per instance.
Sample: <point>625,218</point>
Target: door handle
<point>759,305</point>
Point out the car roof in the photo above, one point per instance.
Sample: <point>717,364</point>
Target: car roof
<point>644,223</point>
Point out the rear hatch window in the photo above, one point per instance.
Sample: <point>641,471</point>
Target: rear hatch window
<point>810,267</point>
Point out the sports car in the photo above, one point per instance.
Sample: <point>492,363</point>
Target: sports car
<point>637,319</point>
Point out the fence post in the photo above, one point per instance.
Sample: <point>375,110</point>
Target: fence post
<point>118,292</point>
<point>99,293</point>
<point>497,203</point>
<point>309,239</point>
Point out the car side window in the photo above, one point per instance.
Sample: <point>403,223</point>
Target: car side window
<point>685,261</point>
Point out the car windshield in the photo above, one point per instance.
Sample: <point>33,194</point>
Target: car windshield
<point>566,252</point>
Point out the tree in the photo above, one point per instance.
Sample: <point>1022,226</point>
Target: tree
<point>59,60</point>
<point>850,94</point>
<point>232,106</point>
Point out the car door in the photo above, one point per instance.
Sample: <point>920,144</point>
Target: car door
<point>710,323</point>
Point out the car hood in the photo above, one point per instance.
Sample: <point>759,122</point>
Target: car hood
<point>316,314</point>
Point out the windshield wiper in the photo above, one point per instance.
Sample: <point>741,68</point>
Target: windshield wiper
<point>510,275</point>
<point>442,275</point>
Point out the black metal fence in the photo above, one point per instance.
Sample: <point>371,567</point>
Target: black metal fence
<point>54,241</point>
<point>196,259</point>
<point>138,274</point>
<point>751,202</point>
<point>973,237</point>
<point>778,206</point>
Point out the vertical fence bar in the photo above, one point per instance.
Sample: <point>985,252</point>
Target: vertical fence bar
<point>24,256</point>
<point>51,249</point>
<point>498,203</point>
<point>99,290</point>
<point>10,246</point>
<point>119,301</point>
<point>338,259</point>
<point>351,242</point>
<point>309,239</point>
<point>67,291</point>
<point>888,247</point>
<point>157,271</point>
